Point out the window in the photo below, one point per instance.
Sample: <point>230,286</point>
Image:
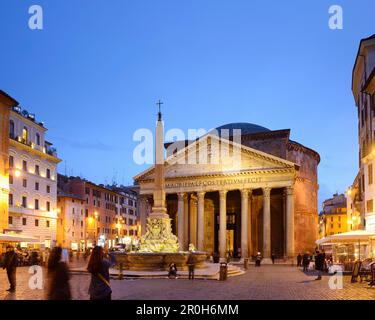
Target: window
<point>10,220</point>
<point>47,223</point>
<point>340,225</point>
<point>24,221</point>
<point>25,135</point>
<point>24,202</point>
<point>48,189</point>
<point>331,219</point>
<point>37,170</point>
<point>36,207</point>
<point>10,179</point>
<point>87,213</point>
<point>48,206</point>
<point>24,165</point>
<point>48,173</point>
<point>11,162</point>
<point>37,138</point>
<point>370,174</point>
<point>10,199</point>
<point>37,186</point>
<point>36,222</point>
<point>331,225</point>
<point>11,129</point>
<point>369,206</point>
<point>24,183</point>
<point>81,224</point>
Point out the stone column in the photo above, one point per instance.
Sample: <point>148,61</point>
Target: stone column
<point>223,224</point>
<point>244,222</point>
<point>201,221</point>
<point>193,221</point>
<point>186,222</point>
<point>290,222</point>
<point>266,223</point>
<point>181,218</point>
<point>249,225</point>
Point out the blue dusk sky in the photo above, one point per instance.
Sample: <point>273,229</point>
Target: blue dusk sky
<point>95,71</point>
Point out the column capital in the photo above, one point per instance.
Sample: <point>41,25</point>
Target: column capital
<point>289,191</point>
<point>246,192</point>
<point>266,192</point>
<point>181,195</point>
<point>201,194</point>
<point>223,193</point>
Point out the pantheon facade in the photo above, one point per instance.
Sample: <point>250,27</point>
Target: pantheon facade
<point>262,200</point>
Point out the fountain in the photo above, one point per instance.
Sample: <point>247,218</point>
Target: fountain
<point>159,246</point>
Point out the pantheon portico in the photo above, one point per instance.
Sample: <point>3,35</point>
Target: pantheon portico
<point>265,199</point>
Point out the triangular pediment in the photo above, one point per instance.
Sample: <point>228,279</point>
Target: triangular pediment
<point>212,155</point>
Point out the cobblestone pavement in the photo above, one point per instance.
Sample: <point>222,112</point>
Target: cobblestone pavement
<point>267,282</point>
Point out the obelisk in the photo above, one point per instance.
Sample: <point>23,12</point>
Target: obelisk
<point>159,236</point>
<point>159,209</point>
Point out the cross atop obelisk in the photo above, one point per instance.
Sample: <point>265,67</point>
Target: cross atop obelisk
<point>159,103</point>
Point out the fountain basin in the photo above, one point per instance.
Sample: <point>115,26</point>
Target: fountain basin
<point>151,261</point>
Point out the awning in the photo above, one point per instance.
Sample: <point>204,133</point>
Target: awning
<point>351,236</point>
<point>17,238</point>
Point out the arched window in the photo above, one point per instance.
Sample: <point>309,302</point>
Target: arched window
<point>11,129</point>
<point>25,135</point>
<point>38,139</point>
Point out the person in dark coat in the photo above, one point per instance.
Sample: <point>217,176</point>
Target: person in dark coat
<point>98,266</point>
<point>319,264</point>
<point>299,260</point>
<point>305,262</point>
<point>273,257</point>
<point>10,264</point>
<point>191,265</point>
<point>58,274</point>
<point>172,271</point>
<point>258,259</point>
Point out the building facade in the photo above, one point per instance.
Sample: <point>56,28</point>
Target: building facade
<point>333,218</point>
<point>6,103</point>
<point>362,193</point>
<point>109,213</point>
<point>263,199</point>
<point>71,224</point>
<point>32,179</point>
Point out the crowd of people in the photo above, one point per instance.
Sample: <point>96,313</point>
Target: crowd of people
<point>318,261</point>
<point>58,275</point>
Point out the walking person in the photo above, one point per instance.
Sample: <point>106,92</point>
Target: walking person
<point>299,260</point>
<point>258,259</point>
<point>98,266</point>
<point>191,264</point>
<point>58,277</point>
<point>319,264</point>
<point>10,264</point>
<point>273,257</point>
<point>305,261</point>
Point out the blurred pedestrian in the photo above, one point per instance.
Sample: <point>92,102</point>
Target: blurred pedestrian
<point>172,271</point>
<point>258,259</point>
<point>305,261</point>
<point>319,264</point>
<point>58,274</point>
<point>273,257</point>
<point>299,260</point>
<point>98,266</point>
<point>10,264</point>
<point>191,265</point>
